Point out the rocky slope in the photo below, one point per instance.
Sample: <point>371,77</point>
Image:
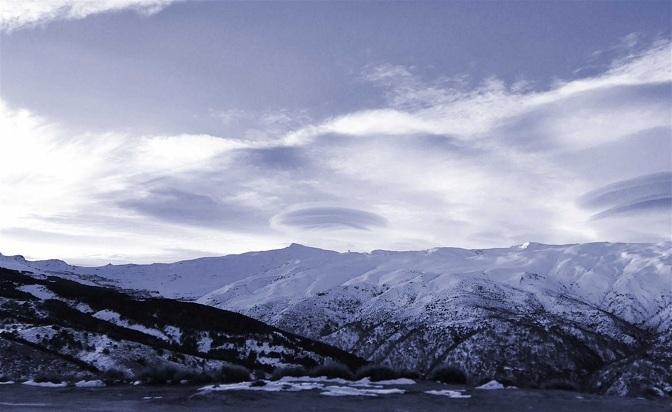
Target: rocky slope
<point>593,316</point>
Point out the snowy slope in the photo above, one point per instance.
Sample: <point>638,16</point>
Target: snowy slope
<point>632,280</point>
<point>89,332</point>
<point>590,313</point>
<point>188,279</point>
<point>596,315</point>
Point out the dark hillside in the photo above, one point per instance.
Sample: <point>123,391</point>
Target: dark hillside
<point>97,329</point>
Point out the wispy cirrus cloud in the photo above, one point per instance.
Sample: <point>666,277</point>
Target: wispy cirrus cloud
<point>17,14</point>
<point>479,113</point>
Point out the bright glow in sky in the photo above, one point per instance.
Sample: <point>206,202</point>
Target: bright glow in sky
<point>150,130</point>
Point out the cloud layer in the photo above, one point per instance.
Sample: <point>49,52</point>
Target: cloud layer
<point>318,218</point>
<point>644,194</point>
<point>16,14</point>
<point>442,163</point>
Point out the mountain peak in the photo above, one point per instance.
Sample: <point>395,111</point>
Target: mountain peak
<point>298,246</point>
<point>533,245</point>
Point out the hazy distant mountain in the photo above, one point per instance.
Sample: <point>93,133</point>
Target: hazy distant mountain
<point>596,316</point>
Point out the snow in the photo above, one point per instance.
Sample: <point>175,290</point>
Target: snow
<point>441,286</point>
<point>493,384</point>
<point>114,317</point>
<point>7,383</point>
<point>345,391</point>
<point>46,384</point>
<point>173,332</point>
<point>268,386</point>
<point>400,381</point>
<point>328,386</point>
<point>17,262</point>
<point>90,384</point>
<point>188,279</point>
<point>448,393</point>
<point>107,315</point>
<point>38,291</point>
<point>97,358</point>
<point>597,273</point>
<point>325,380</point>
<point>351,391</point>
<point>205,344</point>
<point>84,308</point>
<point>31,333</point>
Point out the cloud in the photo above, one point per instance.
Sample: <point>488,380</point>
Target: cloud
<point>17,14</point>
<point>442,163</point>
<point>508,166</point>
<point>274,158</point>
<point>260,126</point>
<point>323,218</point>
<point>644,194</point>
<point>405,90</point>
<point>185,208</point>
<point>589,118</point>
<point>109,184</point>
<point>662,204</point>
<point>575,114</point>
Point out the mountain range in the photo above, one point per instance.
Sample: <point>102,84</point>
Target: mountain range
<point>594,316</point>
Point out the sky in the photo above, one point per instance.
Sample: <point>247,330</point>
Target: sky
<point>158,130</point>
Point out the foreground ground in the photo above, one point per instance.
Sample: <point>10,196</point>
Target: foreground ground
<point>18,397</point>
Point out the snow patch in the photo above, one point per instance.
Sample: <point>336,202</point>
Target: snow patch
<point>325,380</point>
<point>267,386</point>
<point>34,334</point>
<point>174,333</point>
<point>84,308</point>
<point>449,393</point>
<point>329,386</point>
<point>351,391</point>
<point>90,384</point>
<point>400,381</point>
<point>38,291</point>
<point>205,344</point>
<point>114,317</point>
<point>493,384</point>
<point>46,384</point>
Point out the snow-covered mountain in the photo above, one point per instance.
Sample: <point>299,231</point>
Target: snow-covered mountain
<point>56,328</point>
<point>595,315</point>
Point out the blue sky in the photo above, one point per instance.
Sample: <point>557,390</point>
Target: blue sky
<point>138,130</point>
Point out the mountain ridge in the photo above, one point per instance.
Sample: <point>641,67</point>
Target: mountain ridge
<point>597,314</point>
<point>100,332</point>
